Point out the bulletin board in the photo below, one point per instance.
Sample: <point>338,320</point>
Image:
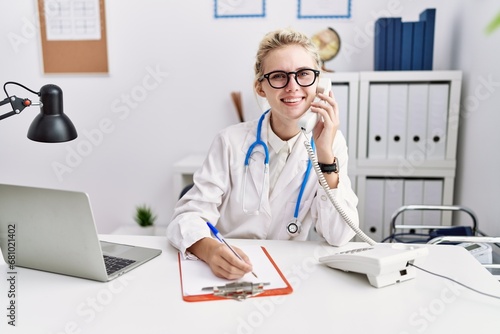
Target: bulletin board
<point>73,36</point>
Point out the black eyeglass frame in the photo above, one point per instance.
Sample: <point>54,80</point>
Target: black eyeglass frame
<point>266,76</point>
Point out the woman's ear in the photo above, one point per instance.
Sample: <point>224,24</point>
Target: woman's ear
<point>258,89</point>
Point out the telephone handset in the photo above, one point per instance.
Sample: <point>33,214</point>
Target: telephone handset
<point>309,119</point>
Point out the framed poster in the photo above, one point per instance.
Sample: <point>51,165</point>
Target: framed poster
<point>324,9</point>
<point>239,9</point>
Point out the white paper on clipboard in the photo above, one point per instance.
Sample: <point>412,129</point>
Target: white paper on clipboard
<point>197,275</point>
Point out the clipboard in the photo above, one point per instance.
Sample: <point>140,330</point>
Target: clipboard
<point>198,283</point>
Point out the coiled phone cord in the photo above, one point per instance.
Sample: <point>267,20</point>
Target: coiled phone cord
<point>332,198</point>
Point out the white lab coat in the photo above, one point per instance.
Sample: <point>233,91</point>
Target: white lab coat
<point>217,194</point>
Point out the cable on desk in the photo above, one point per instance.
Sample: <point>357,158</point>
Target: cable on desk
<point>454,281</point>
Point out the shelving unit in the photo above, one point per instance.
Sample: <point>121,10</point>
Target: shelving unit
<point>405,145</point>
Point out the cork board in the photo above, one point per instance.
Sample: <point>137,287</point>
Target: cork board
<point>68,49</point>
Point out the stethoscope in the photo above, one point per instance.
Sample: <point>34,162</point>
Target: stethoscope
<point>294,227</point>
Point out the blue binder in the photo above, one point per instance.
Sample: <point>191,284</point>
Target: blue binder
<point>380,44</point>
<point>429,17</point>
<point>398,30</point>
<point>406,45</point>
<point>389,55</point>
<point>417,61</point>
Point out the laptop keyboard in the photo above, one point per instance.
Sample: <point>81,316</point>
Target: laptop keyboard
<point>113,264</point>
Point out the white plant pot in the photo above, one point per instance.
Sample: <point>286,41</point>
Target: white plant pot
<point>147,230</point>
<point>135,230</point>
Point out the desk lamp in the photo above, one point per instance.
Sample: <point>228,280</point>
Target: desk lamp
<point>51,125</point>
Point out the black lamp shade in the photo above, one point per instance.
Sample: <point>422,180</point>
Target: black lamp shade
<point>51,125</point>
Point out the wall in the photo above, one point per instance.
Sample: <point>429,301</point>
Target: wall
<point>478,180</point>
<point>172,68</point>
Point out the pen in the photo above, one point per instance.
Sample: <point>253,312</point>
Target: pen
<point>222,240</point>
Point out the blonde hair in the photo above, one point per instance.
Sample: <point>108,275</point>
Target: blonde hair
<point>281,38</point>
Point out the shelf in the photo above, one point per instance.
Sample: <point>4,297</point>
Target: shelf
<point>410,76</point>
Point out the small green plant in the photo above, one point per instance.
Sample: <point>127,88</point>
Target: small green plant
<point>144,216</point>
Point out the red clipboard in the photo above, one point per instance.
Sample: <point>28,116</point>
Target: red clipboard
<point>286,288</point>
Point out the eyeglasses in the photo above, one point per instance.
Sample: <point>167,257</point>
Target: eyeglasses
<point>279,79</point>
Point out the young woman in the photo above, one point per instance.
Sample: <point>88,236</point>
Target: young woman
<point>245,197</point>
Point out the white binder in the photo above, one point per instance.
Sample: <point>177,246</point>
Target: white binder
<point>413,194</point>
<point>417,121</point>
<point>397,109</point>
<point>377,121</point>
<point>374,208</point>
<point>437,120</point>
<point>393,197</point>
<point>433,195</point>
<point>341,93</point>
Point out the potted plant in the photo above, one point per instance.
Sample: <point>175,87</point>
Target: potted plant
<point>145,217</point>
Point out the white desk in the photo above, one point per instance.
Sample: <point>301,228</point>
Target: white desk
<point>148,299</point>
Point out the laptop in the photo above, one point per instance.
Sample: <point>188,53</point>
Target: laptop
<point>54,230</point>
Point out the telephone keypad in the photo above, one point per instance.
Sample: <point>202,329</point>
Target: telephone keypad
<point>357,250</point>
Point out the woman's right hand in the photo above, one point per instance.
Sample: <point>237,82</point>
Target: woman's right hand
<point>221,259</point>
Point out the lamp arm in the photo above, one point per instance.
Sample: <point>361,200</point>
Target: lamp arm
<point>17,104</point>
<point>5,101</point>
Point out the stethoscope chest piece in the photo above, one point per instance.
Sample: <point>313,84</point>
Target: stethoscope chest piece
<point>293,228</point>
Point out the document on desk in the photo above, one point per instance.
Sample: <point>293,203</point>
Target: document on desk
<point>196,275</point>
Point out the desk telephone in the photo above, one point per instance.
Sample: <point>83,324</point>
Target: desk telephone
<point>384,264</point>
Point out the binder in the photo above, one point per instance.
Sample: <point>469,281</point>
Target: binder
<point>396,131</point>
<point>418,46</point>
<point>398,31</point>
<point>437,121</point>
<point>341,92</point>
<point>417,121</point>
<point>374,208</point>
<point>413,194</point>
<point>406,45</point>
<point>429,17</point>
<point>198,283</point>
<point>389,50</point>
<point>377,121</point>
<point>393,200</point>
<point>433,195</point>
<point>380,44</point>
